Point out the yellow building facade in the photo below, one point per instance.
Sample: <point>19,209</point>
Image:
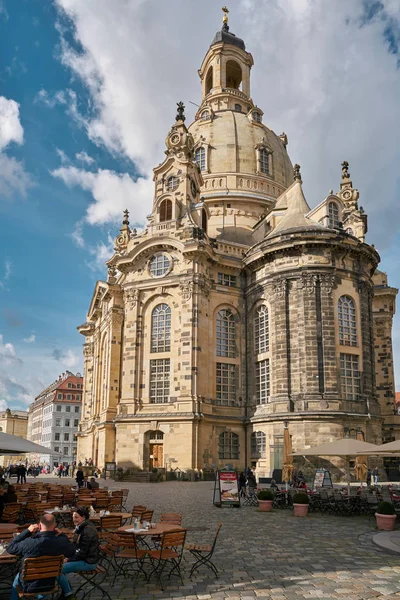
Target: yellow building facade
<point>237,309</point>
<point>15,423</point>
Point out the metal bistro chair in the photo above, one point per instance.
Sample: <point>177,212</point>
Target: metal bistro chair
<point>171,550</point>
<point>203,554</point>
<point>44,569</point>
<point>128,557</point>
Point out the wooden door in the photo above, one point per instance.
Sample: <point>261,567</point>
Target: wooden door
<point>156,451</point>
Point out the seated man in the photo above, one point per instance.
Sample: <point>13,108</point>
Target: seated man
<point>94,485</point>
<point>86,543</point>
<point>39,540</point>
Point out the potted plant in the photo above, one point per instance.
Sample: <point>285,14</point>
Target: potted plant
<point>385,516</point>
<point>300,504</point>
<point>265,499</point>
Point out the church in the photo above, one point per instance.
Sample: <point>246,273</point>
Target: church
<point>238,310</point>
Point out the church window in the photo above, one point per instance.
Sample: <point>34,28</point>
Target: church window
<point>161,328</point>
<point>200,158</point>
<point>333,215</point>
<point>226,384</point>
<point>160,264</point>
<point>264,161</point>
<point>238,107</point>
<point>233,75</point>
<point>159,380</point>
<point>258,441</point>
<point>155,436</point>
<point>226,334</point>
<point>349,231</point>
<point>256,117</point>
<point>209,80</point>
<point>172,183</point>
<point>350,376</point>
<point>228,445</point>
<point>165,210</point>
<point>262,381</point>
<point>205,115</point>
<point>261,330</point>
<point>204,220</point>
<point>347,321</point>
<point>225,279</point>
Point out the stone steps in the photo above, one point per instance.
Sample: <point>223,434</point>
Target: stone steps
<point>140,477</point>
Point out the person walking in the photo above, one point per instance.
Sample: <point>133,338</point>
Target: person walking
<point>60,470</point>
<point>42,539</point>
<point>86,544</point>
<point>79,477</point>
<point>21,474</point>
<point>376,475</point>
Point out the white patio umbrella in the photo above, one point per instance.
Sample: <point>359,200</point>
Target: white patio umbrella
<point>344,448</point>
<point>388,449</point>
<point>12,444</point>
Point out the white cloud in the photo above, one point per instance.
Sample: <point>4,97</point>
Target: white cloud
<point>30,340</point>
<point>7,273</point>
<point>77,234</point>
<point>84,158</point>
<point>63,157</point>
<point>100,253</point>
<point>3,405</point>
<point>7,353</point>
<point>12,174</point>
<point>112,193</point>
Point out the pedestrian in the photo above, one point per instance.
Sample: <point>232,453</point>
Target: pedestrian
<point>94,485</point>
<point>10,495</point>
<point>60,470</point>
<point>79,477</point>
<point>86,484</point>
<point>42,539</point>
<point>369,477</point>
<point>21,474</point>
<point>376,475</point>
<point>86,544</point>
<point>242,485</point>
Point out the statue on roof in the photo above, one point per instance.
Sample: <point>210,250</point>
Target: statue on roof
<point>181,112</point>
<point>225,25</point>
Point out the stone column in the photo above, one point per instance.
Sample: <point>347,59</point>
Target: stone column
<point>130,350</point>
<point>330,360</point>
<point>278,342</point>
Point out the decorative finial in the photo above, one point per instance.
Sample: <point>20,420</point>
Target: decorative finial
<point>126,217</point>
<point>345,172</point>
<point>296,173</point>
<point>181,112</point>
<point>225,25</point>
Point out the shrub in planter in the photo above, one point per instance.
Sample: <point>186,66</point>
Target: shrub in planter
<point>300,504</point>
<point>265,495</point>
<point>385,516</point>
<point>265,498</point>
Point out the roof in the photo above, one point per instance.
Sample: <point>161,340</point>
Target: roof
<point>227,37</point>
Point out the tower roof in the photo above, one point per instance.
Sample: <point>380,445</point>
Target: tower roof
<point>227,37</point>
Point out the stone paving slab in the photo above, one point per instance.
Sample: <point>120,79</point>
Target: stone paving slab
<point>261,556</point>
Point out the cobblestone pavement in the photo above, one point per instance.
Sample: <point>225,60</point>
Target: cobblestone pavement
<point>266,555</point>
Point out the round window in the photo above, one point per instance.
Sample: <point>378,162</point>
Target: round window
<point>160,265</point>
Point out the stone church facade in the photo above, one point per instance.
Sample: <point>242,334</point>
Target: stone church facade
<point>237,310</point>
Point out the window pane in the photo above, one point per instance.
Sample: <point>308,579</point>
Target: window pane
<point>225,279</point>
<point>200,158</point>
<point>161,329</point>
<point>226,384</point>
<point>262,381</point>
<point>350,376</point>
<point>226,334</point>
<point>159,380</point>
<point>264,161</point>
<point>159,265</point>
<point>333,212</point>
<point>228,445</point>
<point>347,321</point>
<point>261,330</point>
<point>258,444</point>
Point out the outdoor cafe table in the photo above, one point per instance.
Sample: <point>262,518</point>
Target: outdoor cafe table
<point>7,527</point>
<point>124,515</point>
<point>159,529</point>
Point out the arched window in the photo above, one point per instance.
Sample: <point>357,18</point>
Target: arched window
<point>209,80</point>
<point>261,330</point>
<point>228,445</point>
<point>349,231</point>
<point>226,334</point>
<point>172,183</point>
<point>200,158</point>
<point>264,161</point>
<point>347,321</point>
<point>204,220</point>
<point>258,442</point>
<point>161,328</point>
<point>256,117</point>
<point>165,210</point>
<point>333,213</point>
<point>233,74</point>
<point>205,115</point>
<point>238,107</point>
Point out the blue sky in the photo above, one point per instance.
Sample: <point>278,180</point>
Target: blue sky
<point>89,91</point>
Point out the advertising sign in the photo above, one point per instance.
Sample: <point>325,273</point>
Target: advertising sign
<point>226,491</point>
<point>322,479</point>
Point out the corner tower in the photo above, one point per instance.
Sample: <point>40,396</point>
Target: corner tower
<point>245,165</point>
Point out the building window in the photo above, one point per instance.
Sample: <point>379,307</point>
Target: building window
<point>228,445</point>
<point>226,384</point>
<point>58,408</point>
<point>161,328</point>
<point>57,437</point>
<point>264,161</point>
<point>76,422</point>
<point>225,279</point>
<point>68,396</point>
<point>347,321</point>
<point>66,437</point>
<point>172,183</point>
<point>70,385</point>
<point>258,444</point>
<point>349,231</point>
<point>76,408</point>
<point>200,158</point>
<point>160,264</point>
<point>226,334</point>
<point>350,376</point>
<point>65,451</point>
<point>156,435</point>
<point>205,115</point>
<point>78,397</point>
<point>262,381</point>
<point>238,107</point>
<point>333,215</point>
<point>67,422</point>
<point>59,396</point>
<point>56,448</point>
<point>58,422</point>
<point>165,210</point>
<point>159,380</point>
<point>256,117</point>
<point>261,330</point>
<point>68,408</point>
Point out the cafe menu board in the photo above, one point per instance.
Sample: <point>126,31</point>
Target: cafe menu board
<point>226,490</point>
<point>322,478</point>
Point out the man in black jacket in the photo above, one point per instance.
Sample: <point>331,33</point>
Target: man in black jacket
<point>39,540</point>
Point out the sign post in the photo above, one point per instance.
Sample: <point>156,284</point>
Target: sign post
<point>110,466</point>
<point>226,490</point>
<point>322,478</point>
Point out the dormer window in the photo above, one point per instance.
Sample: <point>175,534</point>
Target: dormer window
<point>172,183</point>
<point>238,107</point>
<point>264,160</point>
<point>165,210</point>
<point>205,115</point>
<point>200,158</point>
<point>333,215</point>
<point>256,117</point>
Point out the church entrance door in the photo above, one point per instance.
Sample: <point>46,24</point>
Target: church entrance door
<point>156,456</point>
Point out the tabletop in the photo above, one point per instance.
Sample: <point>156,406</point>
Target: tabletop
<point>159,529</point>
<point>124,515</point>
<point>6,527</point>
<point>7,558</point>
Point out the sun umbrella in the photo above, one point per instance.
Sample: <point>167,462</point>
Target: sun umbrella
<point>390,448</point>
<point>287,467</point>
<point>345,448</point>
<point>12,444</point>
<point>361,463</point>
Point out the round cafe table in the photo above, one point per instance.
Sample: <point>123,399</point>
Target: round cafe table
<point>124,515</point>
<point>159,529</point>
<point>7,527</point>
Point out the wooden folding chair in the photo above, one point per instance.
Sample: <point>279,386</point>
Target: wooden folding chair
<point>203,554</point>
<point>171,550</point>
<point>110,523</point>
<point>45,570</point>
<point>137,512</point>
<point>173,518</point>
<point>127,554</point>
